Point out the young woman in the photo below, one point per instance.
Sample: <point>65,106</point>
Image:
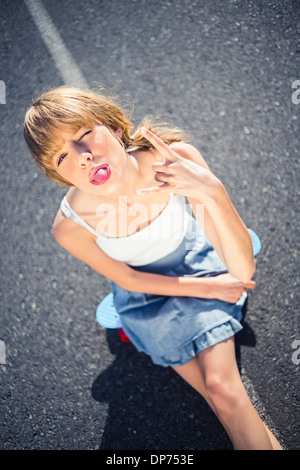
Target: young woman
<point>179,279</point>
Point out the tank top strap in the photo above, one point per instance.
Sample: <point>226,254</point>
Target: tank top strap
<point>71,214</point>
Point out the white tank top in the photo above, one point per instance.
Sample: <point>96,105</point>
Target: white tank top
<point>158,239</point>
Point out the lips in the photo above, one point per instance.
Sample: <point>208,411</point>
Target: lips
<point>100,174</point>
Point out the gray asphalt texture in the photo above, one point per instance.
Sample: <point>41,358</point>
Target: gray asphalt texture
<point>224,71</point>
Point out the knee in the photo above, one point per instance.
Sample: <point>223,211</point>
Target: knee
<point>227,395</point>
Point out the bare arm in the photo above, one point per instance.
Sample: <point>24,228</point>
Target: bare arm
<point>184,171</point>
<point>222,224</point>
<point>81,244</point>
<point>199,209</point>
<point>232,239</point>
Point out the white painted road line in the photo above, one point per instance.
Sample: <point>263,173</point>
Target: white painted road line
<point>65,64</point>
<point>2,352</point>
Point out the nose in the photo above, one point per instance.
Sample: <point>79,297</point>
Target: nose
<point>84,159</point>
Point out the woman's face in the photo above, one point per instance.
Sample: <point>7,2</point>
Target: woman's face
<point>92,159</point>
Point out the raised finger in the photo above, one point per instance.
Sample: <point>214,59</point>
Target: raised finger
<point>159,144</point>
<point>160,167</point>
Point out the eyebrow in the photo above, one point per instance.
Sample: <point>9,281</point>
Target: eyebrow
<point>87,128</point>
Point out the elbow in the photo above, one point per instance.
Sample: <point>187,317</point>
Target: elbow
<point>248,272</point>
<point>252,266</point>
<point>249,265</point>
<point>244,273</point>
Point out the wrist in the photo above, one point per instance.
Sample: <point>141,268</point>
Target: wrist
<point>217,194</point>
<point>195,287</point>
<point>215,191</point>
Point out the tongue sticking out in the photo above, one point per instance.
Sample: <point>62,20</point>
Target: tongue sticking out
<point>101,175</point>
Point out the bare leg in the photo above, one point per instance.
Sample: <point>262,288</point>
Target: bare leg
<point>274,441</point>
<point>214,374</point>
<point>191,373</point>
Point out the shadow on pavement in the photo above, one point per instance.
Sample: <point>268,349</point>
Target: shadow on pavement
<point>150,407</point>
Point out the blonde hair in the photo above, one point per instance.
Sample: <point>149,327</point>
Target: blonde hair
<point>68,107</point>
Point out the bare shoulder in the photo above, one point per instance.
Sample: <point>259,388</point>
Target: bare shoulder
<point>60,225</point>
<point>66,232</point>
<point>64,229</point>
<point>190,152</point>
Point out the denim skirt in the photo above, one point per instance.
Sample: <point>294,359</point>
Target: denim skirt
<point>172,330</point>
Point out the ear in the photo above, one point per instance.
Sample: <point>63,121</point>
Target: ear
<point>118,132</point>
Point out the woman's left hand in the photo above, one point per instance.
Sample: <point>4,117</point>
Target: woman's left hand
<point>180,175</point>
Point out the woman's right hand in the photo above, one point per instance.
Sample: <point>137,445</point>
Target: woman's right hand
<point>226,287</point>
<point>181,175</point>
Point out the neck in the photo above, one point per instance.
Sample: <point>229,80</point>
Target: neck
<point>130,181</point>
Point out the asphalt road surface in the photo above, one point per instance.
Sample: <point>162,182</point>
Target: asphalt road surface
<point>227,71</point>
